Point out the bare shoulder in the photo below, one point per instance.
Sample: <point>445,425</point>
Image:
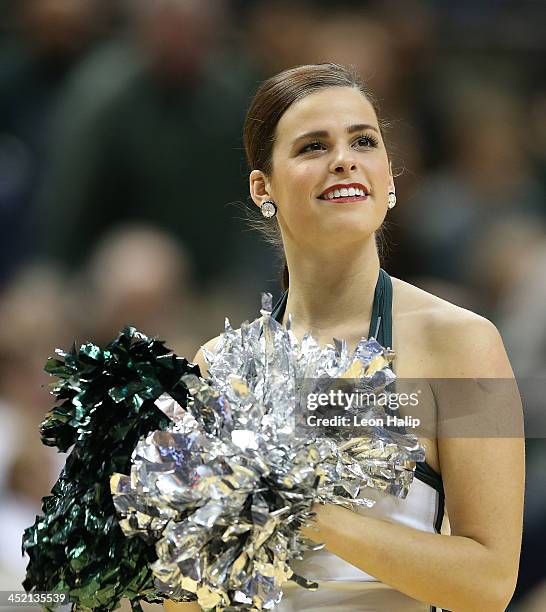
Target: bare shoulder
<point>199,358</point>
<point>462,343</point>
<point>210,346</point>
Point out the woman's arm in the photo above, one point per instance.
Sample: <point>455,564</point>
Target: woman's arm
<point>174,606</point>
<point>476,567</point>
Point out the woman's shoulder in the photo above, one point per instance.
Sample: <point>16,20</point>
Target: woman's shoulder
<point>432,310</point>
<point>461,341</point>
<point>200,360</point>
<point>210,346</point>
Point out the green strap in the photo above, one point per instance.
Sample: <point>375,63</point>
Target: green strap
<point>381,320</point>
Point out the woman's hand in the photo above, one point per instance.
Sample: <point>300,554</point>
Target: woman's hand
<point>323,513</point>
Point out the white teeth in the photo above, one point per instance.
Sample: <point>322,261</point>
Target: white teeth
<point>343,193</point>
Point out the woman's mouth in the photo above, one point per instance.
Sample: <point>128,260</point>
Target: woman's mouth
<point>355,192</point>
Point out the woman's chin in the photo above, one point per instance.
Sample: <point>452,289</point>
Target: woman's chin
<point>349,225</point>
<point>339,231</point>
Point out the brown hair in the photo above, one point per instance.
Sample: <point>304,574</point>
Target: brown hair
<point>272,100</point>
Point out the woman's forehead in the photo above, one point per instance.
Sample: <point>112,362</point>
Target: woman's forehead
<point>326,109</point>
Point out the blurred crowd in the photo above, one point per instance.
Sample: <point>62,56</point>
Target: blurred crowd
<point>124,198</point>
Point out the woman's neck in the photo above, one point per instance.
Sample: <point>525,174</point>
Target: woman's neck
<point>332,290</point>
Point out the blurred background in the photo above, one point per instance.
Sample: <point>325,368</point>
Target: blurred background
<point>123,186</point>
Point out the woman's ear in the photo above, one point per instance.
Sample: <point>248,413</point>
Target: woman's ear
<point>259,187</point>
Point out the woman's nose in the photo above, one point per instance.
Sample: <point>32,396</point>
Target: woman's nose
<point>343,161</point>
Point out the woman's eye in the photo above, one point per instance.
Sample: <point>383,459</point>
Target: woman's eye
<point>367,141</point>
<point>312,146</point>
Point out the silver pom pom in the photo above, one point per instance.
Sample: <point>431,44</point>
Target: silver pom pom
<point>224,492</point>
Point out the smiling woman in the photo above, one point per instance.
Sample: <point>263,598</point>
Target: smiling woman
<point>321,175</point>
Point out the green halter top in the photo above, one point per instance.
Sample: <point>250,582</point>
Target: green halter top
<point>381,330</point>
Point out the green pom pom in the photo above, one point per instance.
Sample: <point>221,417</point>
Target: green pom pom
<point>106,404</point>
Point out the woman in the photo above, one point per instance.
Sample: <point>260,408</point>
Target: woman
<point>322,176</point>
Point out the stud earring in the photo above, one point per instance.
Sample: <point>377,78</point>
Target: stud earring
<point>392,199</point>
<point>268,209</point>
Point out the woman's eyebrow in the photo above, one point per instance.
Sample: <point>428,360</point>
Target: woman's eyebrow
<point>358,127</point>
